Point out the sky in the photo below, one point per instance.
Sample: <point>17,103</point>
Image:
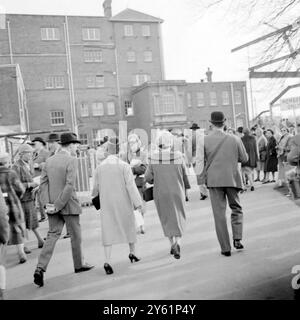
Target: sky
<point>194,38</point>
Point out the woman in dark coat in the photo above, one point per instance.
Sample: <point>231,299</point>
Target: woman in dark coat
<point>271,160</point>
<point>249,142</point>
<point>13,189</point>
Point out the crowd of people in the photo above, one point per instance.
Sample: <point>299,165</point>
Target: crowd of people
<point>43,178</point>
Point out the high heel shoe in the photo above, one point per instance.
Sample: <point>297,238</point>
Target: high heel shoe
<point>108,269</point>
<point>133,258</point>
<point>176,251</point>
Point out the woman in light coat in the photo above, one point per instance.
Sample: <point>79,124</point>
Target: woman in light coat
<point>167,171</point>
<point>119,197</point>
<point>262,143</point>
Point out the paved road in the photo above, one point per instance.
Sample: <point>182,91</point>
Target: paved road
<point>261,271</point>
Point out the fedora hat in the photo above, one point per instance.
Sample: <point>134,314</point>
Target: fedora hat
<point>39,139</point>
<point>68,138</point>
<point>217,117</point>
<point>194,126</point>
<point>53,137</point>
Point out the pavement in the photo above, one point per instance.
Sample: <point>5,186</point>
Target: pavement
<point>262,271</point>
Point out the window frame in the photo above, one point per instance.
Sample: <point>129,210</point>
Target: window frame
<point>126,28</point>
<point>213,101</point>
<point>93,109</point>
<point>56,81</point>
<point>133,56</point>
<point>131,106</point>
<point>55,32</point>
<point>200,99</point>
<point>92,58</point>
<point>225,102</point>
<point>86,108</point>
<point>88,31</point>
<point>108,110</point>
<point>237,97</point>
<point>145,34</point>
<point>93,82</point>
<point>189,100</point>
<point>82,140</point>
<point>145,56</point>
<point>57,117</point>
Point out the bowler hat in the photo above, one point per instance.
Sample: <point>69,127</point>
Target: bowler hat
<point>39,139</point>
<point>68,138</point>
<point>217,117</point>
<point>53,137</point>
<point>194,126</point>
<point>25,148</point>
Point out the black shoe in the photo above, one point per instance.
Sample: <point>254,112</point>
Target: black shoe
<point>66,236</point>
<point>133,258</point>
<point>186,199</point>
<point>26,250</point>
<point>85,267</point>
<point>237,244</point>
<point>177,251</point>
<point>257,180</point>
<point>203,197</point>
<point>23,259</point>
<point>252,188</point>
<point>39,277</point>
<point>108,269</point>
<point>226,253</point>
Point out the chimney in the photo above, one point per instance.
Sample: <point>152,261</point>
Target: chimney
<point>107,8</point>
<point>209,75</point>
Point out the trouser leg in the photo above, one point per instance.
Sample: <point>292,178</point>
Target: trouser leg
<point>218,202</point>
<point>74,229</point>
<point>41,207</point>
<point>236,214</point>
<point>56,224</point>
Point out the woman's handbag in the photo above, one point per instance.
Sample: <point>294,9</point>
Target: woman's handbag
<point>96,202</point>
<point>148,194</point>
<point>263,156</point>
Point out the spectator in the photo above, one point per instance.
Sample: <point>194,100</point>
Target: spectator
<point>271,159</point>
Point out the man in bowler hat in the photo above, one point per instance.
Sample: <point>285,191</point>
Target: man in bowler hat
<point>53,144</point>
<point>62,205</point>
<point>222,152</point>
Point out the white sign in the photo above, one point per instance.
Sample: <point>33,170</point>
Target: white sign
<point>290,104</point>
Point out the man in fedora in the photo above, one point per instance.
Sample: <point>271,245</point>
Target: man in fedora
<point>39,158</point>
<point>62,205</point>
<point>222,152</point>
<point>53,144</point>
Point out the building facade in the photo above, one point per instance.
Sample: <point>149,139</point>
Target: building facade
<point>79,71</point>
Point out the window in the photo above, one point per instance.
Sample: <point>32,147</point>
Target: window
<point>93,56</point>
<point>83,138</point>
<point>54,82</point>
<point>237,97</point>
<point>57,118</point>
<point>146,31</point>
<point>50,34</point>
<point>200,99</point>
<point>168,103</point>
<point>138,79</point>
<point>213,98</point>
<point>95,81</point>
<point>111,108</point>
<point>84,110</point>
<point>131,56</point>
<point>128,30</point>
<point>225,98</point>
<point>128,108</point>
<point>147,56</point>
<point>91,34</point>
<point>98,109</point>
<point>96,137</point>
<point>189,99</point>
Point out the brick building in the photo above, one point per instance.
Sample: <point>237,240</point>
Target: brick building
<point>79,71</point>
<point>86,73</point>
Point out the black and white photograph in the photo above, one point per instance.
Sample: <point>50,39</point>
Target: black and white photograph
<point>149,152</point>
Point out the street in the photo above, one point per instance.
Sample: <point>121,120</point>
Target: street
<point>261,271</point>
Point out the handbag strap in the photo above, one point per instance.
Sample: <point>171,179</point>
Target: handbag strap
<point>213,154</point>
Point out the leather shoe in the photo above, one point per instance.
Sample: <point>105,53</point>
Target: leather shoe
<point>237,244</point>
<point>26,250</point>
<point>226,253</point>
<point>39,277</point>
<point>85,267</point>
<point>203,197</point>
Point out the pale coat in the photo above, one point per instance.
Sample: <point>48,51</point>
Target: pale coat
<point>58,182</point>
<point>119,196</point>
<point>224,170</point>
<point>170,181</point>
